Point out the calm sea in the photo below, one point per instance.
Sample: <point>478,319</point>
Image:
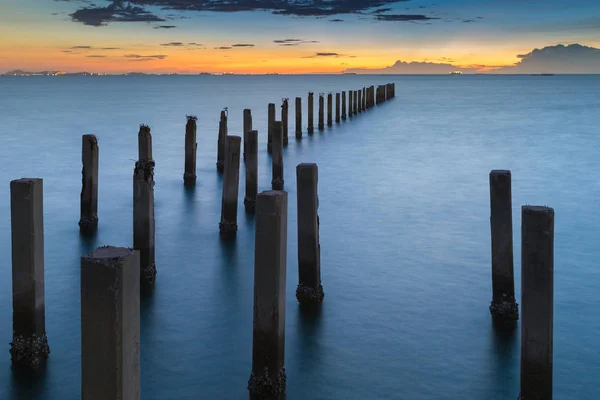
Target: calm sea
<point>405,242</point>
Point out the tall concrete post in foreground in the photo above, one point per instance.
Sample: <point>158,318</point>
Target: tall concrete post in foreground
<point>251,172</point>
<point>311,107</point>
<point>350,103</point>
<point>503,308</point>
<point>268,380</point>
<point>329,109</point>
<point>337,107</point>
<point>221,141</point>
<point>231,183</point>
<point>247,128</point>
<point>110,324</point>
<point>143,212</point>
<point>88,222</point>
<point>310,290</point>
<point>344,105</point>
<point>270,121</point>
<point>284,120</point>
<point>321,112</point>
<point>277,157</point>
<point>298,117</point>
<point>144,143</point>
<point>29,347</point>
<point>189,175</point>
<point>537,297</point>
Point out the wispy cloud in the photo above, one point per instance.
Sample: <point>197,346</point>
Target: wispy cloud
<point>242,45</point>
<point>81,47</point>
<point>336,20</point>
<point>165,27</point>
<point>328,54</point>
<point>402,17</point>
<point>223,48</point>
<point>293,42</point>
<point>95,56</point>
<point>139,57</point>
<point>173,44</point>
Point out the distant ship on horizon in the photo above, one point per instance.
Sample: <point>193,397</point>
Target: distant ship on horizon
<point>457,72</point>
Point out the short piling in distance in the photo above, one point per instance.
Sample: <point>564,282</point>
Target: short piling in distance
<point>189,174</point>
<point>337,107</point>
<point>537,298</point>
<point>284,120</point>
<point>270,120</point>
<point>277,157</point>
<point>268,378</point>
<point>221,141</point>
<point>110,324</point>
<point>310,290</point>
<point>29,346</point>
<point>504,308</point>
<point>88,222</point>
<point>298,117</point>
<point>359,101</point>
<point>321,112</point>
<point>364,98</point>
<point>311,107</point>
<point>329,109</point>
<point>355,102</point>
<point>344,106</point>
<point>247,128</point>
<point>350,103</point>
<point>251,172</point>
<point>231,180</point>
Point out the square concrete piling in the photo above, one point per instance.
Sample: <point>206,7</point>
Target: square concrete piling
<point>310,290</point>
<point>270,120</point>
<point>268,379</point>
<point>363,104</point>
<point>189,174</point>
<point>298,117</point>
<point>350,103</point>
<point>144,143</point>
<point>329,109</point>
<point>311,107</point>
<point>231,183</point>
<point>355,98</point>
<point>247,128</point>
<point>88,221</point>
<point>110,324</point>
<point>321,112</point>
<point>277,157</point>
<point>251,172</point>
<point>143,219</point>
<point>29,347</point>
<point>337,107</point>
<point>284,120</point>
<point>344,105</point>
<point>221,141</point>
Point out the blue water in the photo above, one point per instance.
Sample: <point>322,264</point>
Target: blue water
<point>404,219</point>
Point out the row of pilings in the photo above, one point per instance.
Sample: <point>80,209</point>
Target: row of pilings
<point>115,275</point>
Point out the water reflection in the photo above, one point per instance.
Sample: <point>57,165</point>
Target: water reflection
<point>87,243</point>
<point>29,384</point>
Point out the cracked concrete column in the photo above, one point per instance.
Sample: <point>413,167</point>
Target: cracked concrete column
<point>221,141</point>
<point>231,181</point>
<point>88,222</point>
<point>189,175</point>
<point>251,172</point>
<point>277,157</point>
<point>311,106</point>
<point>298,117</point>
<point>29,347</point>
<point>247,128</point>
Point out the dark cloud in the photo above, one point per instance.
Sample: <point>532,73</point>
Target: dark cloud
<point>223,48</point>
<point>415,67</point>
<point>67,51</point>
<point>81,47</point>
<point>165,27</point>
<point>381,10</point>
<point>559,59</point>
<point>95,56</point>
<point>293,42</point>
<point>242,45</point>
<point>139,57</point>
<point>325,54</point>
<point>173,44</point>
<point>116,11</point>
<point>403,17</point>
<point>194,44</point>
<point>467,21</point>
<point>336,20</point>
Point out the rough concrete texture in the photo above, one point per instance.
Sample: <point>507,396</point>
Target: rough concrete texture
<point>284,120</point>
<point>277,157</point>
<point>143,219</point>
<point>268,335</point>
<point>247,128</point>
<point>221,141</point>
<point>251,172</point>
<point>231,180</point>
<point>88,222</point>
<point>270,121</point>
<point>321,112</point>
<point>311,107</point>
<point>144,143</point>
<point>298,117</point>
<point>29,347</point>
<point>537,297</point>
<point>110,324</point>
<point>189,174</point>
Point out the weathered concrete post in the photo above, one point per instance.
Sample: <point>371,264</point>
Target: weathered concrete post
<point>189,174</point>
<point>110,324</point>
<point>284,120</point>
<point>143,210</point>
<point>329,109</point>
<point>298,117</point>
<point>350,103</point>
<point>310,290</point>
<point>503,308</point>
<point>270,121</point>
<point>311,126</point>
<point>231,182</point>
<point>247,128</point>
<point>88,222</point>
<point>251,172</point>
<point>29,347</point>
<point>221,141</point>
<point>537,297</point>
<point>359,101</point>
<point>144,143</point>
<point>321,112</point>
<point>364,98</point>
<point>267,379</point>
<point>337,107</point>
<point>344,106</point>
<point>277,157</point>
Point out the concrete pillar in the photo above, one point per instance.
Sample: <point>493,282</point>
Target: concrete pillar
<point>359,101</point>
<point>344,105</point>
<point>356,101</point>
<point>110,324</point>
<point>329,109</point>
<point>350,103</point>
<point>364,98</point>
<point>29,347</point>
<point>251,172</point>
<point>231,182</point>
<point>277,157</point>
<point>537,297</point>
<point>284,120</point>
<point>503,308</point>
<point>267,379</point>
<point>270,121</point>
<point>221,141</point>
<point>311,127</point>
<point>321,112</point>
<point>144,143</point>
<point>143,218</point>
<point>310,290</point>
<point>298,117</point>
<point>189,175</point>
<point>247,128</point>
<point>337,107</point>
<point>88,222</point>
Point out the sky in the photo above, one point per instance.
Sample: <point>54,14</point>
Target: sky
<point>299,36</point>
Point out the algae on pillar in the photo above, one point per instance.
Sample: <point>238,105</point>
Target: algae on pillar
<point>329,109</point>
<point>503,308</point>
<point>321,112</point>
<point>284,120</point>
<point>268,379</point>
<point>247,128</point>
<point>189,175</point>
<point>298,117</point>
<point>251,172</point>
<point>29,347</point>
<point>277,157</point>
<point>311,107</point>
<point>110,324</point>
<point>310,290</point>
<point>88,222</point>
<point>221,141</point>
<point>231,180</point>
<point>344,105</point>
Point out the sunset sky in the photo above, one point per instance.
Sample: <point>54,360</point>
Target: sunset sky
<point>284,36</point>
